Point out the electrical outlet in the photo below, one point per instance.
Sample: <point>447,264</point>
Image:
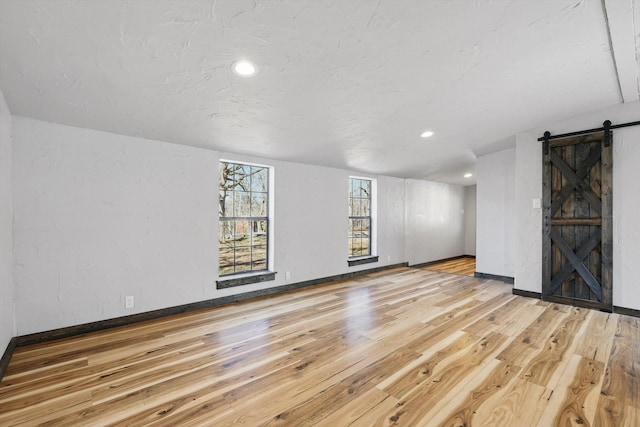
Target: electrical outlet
<point>129,302</point>
<point>287,275</point>
<point>388,258</point>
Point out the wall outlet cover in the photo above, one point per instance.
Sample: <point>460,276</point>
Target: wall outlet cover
<point>129,301</point>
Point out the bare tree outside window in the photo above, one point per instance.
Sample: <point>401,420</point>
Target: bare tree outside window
<point>359,217</point>
<point>244,223</point>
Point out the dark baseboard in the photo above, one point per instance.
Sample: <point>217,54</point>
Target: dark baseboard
<point>101,325</point>
<point>528,294</point>
<point>427,264</point>
<point>626,311</point>
<point>576,303</point>
<point>360,261</point>
<point>6,357</point>
<point>505,279</point>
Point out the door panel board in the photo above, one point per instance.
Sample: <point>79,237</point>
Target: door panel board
<point>577,227</point>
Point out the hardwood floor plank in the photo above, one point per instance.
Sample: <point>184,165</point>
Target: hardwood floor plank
<point>575,398</point>
<point>526,344</point>
<point>376,416</point>
<point>521,405</point>
<point>499,318</point>
<point>457,323</point>
<point>177,391</point>
<point>464,266</point>
<point>409,346</point>
<point>423,398</point>
<point>34,413</point>
<point>356,408</point>
<point>598,338</point>
<point>612,413</point>
<point>462,408</point>
<point>621,386</point>
<point>522,319</point>
<point>10,382</point>
<point>278,388</point>
<point>312,380</point>
<point>312,411</point>
<point>546,367</point>
<point>403,385</point>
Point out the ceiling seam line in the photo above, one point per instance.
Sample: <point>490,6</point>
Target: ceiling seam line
<point>613,56</point>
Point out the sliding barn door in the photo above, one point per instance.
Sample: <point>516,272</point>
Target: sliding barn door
<point>577,225</point>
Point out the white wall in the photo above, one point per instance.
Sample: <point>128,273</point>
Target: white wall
<point>391,220</point>
<point>99,216</point>
<point>470,220</point>
<point>7,319</point>
<point>528,219</point>
<point>496,197</point>
<point>434,224</point>
<point>626,202</point>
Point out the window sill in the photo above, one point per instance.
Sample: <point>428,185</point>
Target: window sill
<point>363,260</point>
<point>245,279</point>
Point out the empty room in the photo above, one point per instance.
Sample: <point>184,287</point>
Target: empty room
<point>320,212</point>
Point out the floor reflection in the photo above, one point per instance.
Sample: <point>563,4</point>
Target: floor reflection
<point>359,311</point>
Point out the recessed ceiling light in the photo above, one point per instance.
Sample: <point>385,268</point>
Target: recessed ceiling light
<point>468,175</point>
<point>244,68</point>
<point>426,134</point>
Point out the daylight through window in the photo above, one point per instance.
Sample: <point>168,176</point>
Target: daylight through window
<point>359,217</point>
<point>244,222</point>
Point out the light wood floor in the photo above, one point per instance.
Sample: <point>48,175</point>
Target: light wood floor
<point>406,347</point>
<point>465,266</point>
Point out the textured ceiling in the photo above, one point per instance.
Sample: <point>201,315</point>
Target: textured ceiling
<point>344,83</point>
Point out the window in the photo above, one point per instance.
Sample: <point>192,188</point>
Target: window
<point>243,238</point>
<point>360,217</point>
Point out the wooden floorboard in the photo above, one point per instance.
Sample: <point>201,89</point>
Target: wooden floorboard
<point>407,347</point>
<point>465,266</point>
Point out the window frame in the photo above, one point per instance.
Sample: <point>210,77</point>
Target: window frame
<point>241,277</point>
<point>371,256</point>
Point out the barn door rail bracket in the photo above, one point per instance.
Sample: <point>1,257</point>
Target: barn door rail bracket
<point>547,134</point>
<point>607,133</point>
<point>606,128</point>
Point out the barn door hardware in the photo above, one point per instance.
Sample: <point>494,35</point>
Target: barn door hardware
<point>607,133</point>
<point>607,127</point>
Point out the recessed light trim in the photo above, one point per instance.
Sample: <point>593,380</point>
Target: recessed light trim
<point>468,175</point>
<point>426,134</point>
<point>244,68</point>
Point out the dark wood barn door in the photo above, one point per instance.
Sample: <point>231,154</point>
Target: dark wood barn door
<point>577,225</point>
